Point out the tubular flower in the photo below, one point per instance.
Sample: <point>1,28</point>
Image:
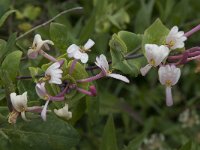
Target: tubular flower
<point>175,39</point>
<point>37,45</point>
<point>169,76</point>
<point>102,63</point>
<point>42,93</point>
<point>155,55</point>
<point>63,112</point>
<point>54,74</point>
<point>80,52</point>
<point>19,103</point>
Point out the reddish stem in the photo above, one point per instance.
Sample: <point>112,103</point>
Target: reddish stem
<point>195,29</point>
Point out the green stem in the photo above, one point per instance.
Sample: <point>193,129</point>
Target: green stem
<point>47,22</point>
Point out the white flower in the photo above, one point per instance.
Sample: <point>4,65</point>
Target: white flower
<point>79,52</point>
<point>155,55</point>
<point>41,91</point>
<point>37,45</point>
<point>102,63</point>
<point>19,103</point>
<point>63,112</point>
<point>169,76</point>
<point>54,74</point>
<point>175,39</point>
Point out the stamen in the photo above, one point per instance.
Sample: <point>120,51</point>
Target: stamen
<point>168,83</point>
<point>152,62</point>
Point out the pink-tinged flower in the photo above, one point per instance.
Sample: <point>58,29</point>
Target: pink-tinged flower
<point>19,103</point>
<point>42,93</point>
<point>102,63</point>
<point>79,53</point>
<point>175,39</point>
<point>155,55</point>
<point>37,45</point>
<point>54,73</point>
<point>63,112</point>
<point>169,76</point>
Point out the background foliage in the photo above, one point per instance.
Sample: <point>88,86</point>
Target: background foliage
<point>123,116</point>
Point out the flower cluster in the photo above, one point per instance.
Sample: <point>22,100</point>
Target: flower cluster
<point>156,56</point>
<point>55,75</point>
<point>60,74</point>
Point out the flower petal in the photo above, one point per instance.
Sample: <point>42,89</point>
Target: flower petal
<point>84,58</point>
<point>40,90</point>
<point>145,69</point>
<point>77,54</point>
<point>19,102</point>
<point>73,48</point>
<point>44,111</point>
<point>23,115</point>
<point>119,77</point>
<point>89,44</point>
<point>169,99</point>
<point>104,62</point>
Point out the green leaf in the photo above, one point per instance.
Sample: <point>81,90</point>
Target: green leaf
<point>109,141</point>
<point>155,34</point>
<point>5,16</point>
<point>143,17</point>
<point>2,94</point>
<point>131,40</point>
<point>122,44</point>
<point>31,12</point>
<point>7,84</point>
<point>135,143</point>
<point>190,145</point>
<point>2,48</point>
<point>37,134</point>
<point>9,47</point>
<point>11,43</point>
<point>59,35</point>
<point>87,29</point>
<point>11,64</point>
<point>187,146</point>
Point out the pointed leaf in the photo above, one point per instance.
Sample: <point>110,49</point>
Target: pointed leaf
<point>109,141</point>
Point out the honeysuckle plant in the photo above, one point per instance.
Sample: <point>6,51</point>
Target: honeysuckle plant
<point>67,77</point>
<point>64,82</point>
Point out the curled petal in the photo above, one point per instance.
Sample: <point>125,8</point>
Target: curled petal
<point>44,111</point>
<point>145,69</point>
<point>169,99</point>
<point>24,116</point>
<point>102,63</point>
<point>63,112</point>
<point>40,90</point>
<point>119,77</point>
